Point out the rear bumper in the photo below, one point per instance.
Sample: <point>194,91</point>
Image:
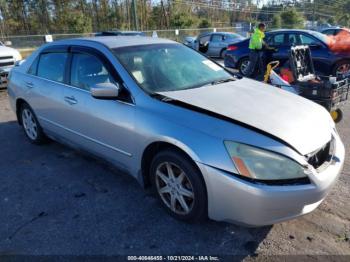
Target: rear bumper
<point>234,200</point>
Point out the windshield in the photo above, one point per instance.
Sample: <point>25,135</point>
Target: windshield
<point>169,67</point>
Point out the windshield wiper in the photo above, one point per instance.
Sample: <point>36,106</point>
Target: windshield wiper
<point>222,81</point>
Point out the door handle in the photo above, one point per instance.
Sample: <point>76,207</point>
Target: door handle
<point>29,84</point>
<point>70,100</point>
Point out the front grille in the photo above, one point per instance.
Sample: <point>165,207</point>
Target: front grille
<point>6,61</point>
<point>5,57</point>
<point>321,156</point>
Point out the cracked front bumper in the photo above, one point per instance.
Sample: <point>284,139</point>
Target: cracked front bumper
<point>235,200</point>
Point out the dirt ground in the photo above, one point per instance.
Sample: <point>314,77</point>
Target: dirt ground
<point>55,201</point>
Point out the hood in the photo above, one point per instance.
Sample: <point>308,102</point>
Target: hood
<point>303,125</point>
<point>7,51</point>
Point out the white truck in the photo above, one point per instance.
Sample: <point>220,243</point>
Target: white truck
<point>8,59</point>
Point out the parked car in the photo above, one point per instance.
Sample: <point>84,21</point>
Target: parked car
<point>325,60</point>
<point>209,143</point>
<point>335,30</point>
<point>8,58</point>
<point>125,33</point>
<point>215,44</point>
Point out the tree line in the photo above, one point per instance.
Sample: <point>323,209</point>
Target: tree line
<point>25,17</point>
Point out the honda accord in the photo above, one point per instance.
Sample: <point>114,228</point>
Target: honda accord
<point>208,143</point>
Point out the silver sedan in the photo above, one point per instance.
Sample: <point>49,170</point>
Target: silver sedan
<point>208,143</point>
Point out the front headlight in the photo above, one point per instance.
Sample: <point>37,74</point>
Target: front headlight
<point>256,163</point>
<point>17,56</point>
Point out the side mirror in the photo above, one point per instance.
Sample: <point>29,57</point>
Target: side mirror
<point>107,91</point>
<point>8,43</point>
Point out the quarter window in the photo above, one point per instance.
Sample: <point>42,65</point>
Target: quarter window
<point>87,71</point>
<point>52,66</point>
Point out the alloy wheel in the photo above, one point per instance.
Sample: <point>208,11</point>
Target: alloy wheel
<point>174,188</point>
<point>29,124</point>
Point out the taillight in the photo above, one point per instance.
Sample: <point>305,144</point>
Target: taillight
<point>232,47</point>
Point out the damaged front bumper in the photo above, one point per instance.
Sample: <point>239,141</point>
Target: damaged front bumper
<point>235,200</point>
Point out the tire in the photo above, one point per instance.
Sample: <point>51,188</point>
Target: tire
<point>337,115</point>
<point>341,66</point>
<point>242,65</point>
<point>31,126</point>
<point>193,196</point>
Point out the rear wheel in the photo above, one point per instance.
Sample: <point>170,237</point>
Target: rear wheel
<point>31,126</point>
<point>179,186</point>
<point>243,66</point>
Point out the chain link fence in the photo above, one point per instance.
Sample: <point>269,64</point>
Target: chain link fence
<point>28,43</point>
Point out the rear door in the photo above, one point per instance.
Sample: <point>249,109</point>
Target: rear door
<point>103,127</point>
<point>46,80</point>
<point>216,44</point>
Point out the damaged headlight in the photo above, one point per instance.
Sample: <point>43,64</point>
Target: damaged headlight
<point>260,164</point>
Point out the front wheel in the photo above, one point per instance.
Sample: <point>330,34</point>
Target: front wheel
<point>31,126</point>
<point>179,186</point>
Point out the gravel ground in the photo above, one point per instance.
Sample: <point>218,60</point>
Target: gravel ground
<point>53,200</point>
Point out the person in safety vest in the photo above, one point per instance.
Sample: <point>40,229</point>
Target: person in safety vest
<point>257,47</point>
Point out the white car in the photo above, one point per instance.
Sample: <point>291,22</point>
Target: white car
<point>8,58</point>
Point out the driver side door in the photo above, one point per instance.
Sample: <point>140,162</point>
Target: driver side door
<point>102,127</point>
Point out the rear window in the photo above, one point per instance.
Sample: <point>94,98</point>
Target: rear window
<point>52,65</point>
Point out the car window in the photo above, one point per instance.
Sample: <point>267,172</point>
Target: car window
<point>233,36</point>
<point>87,71</point>
<point>275,40</point>
<point>294,39</point>
<point>52,65</point>
<point>306,40</point>
<point>204,39</point>
<point>33,68</point>
<point>216,38</point>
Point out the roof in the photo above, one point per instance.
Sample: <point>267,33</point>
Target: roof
<point>332,27</point>
<point>121,41</point>
<point>224,33</point>
<point>291,30</point>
